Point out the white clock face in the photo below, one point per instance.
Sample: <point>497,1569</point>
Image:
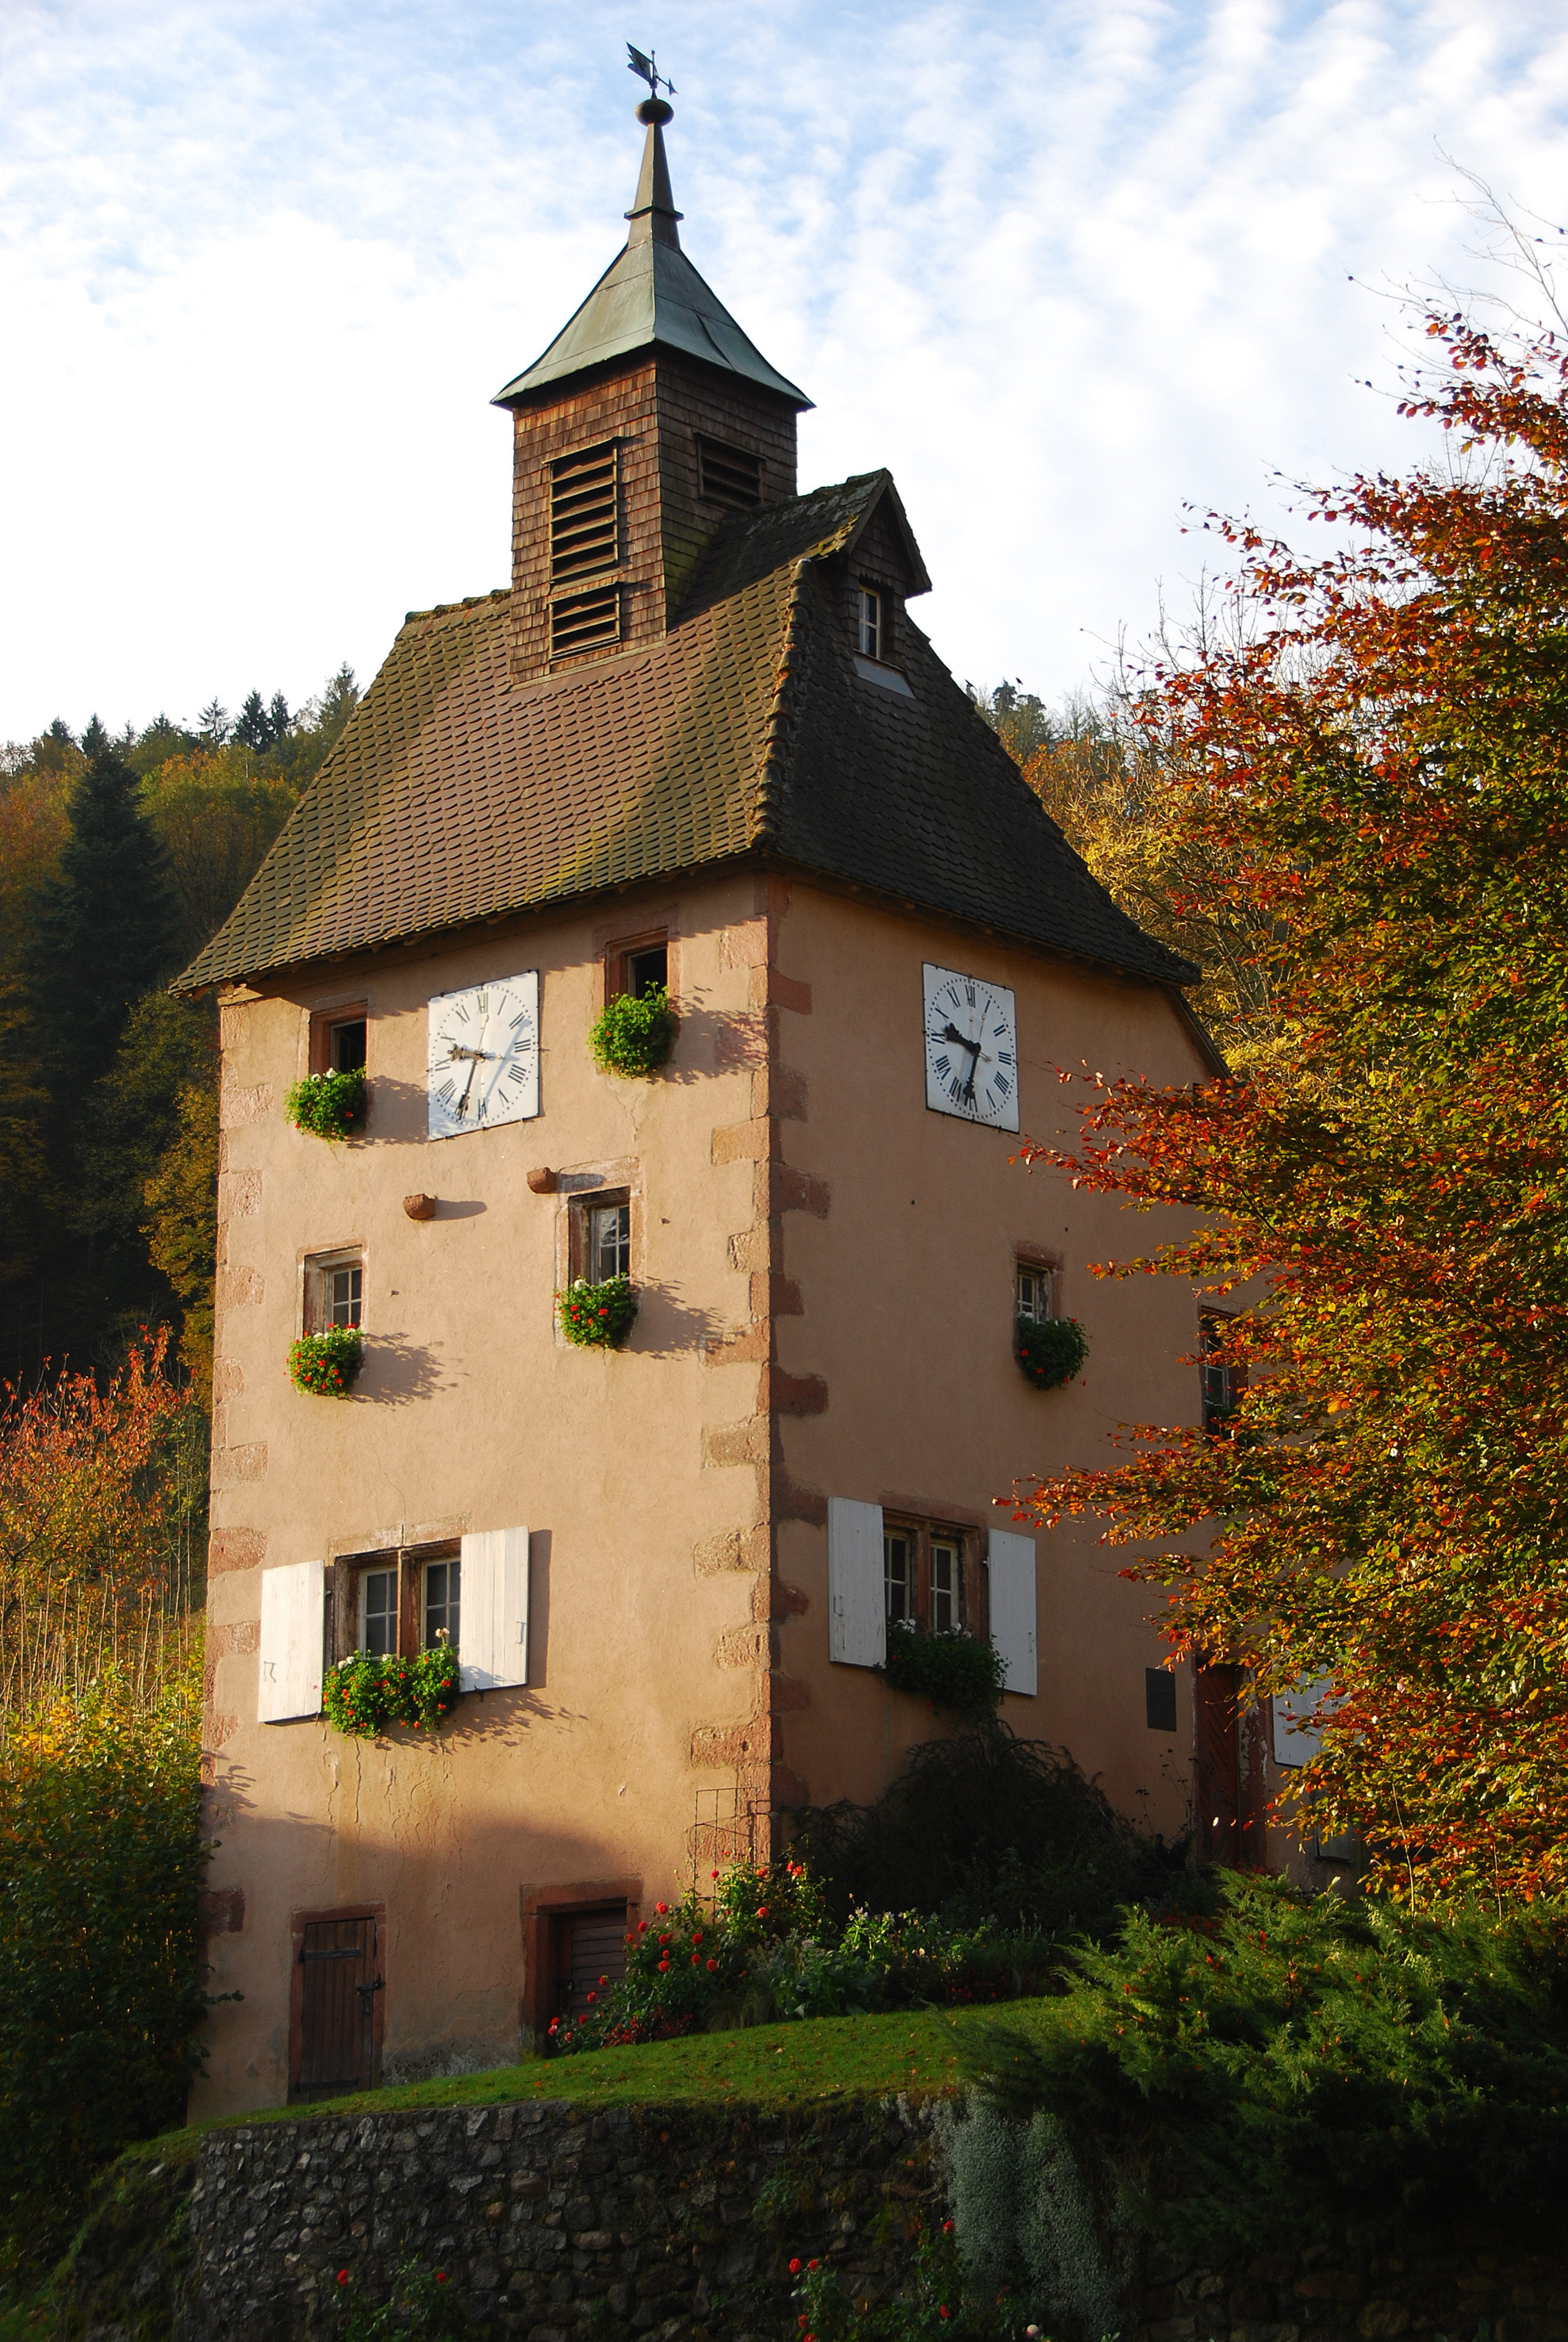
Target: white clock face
<point>971,1048</point>
<point>485,1056</point>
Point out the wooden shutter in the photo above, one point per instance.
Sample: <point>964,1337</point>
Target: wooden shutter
<point>858,1605</point>
<point>1295,1743</point>
<point>293,1614</point>
<point>338,1984</point>
<point>1217,1762</point>
<point>492,1627</point>
<point>1013,1614</point>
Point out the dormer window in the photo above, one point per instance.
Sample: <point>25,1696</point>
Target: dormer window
<point>870,623</point>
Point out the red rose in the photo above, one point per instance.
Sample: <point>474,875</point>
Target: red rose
<point>794,2268</point>
<point>342,2277</point>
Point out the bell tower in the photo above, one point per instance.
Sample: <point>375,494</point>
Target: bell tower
<point>647,422</point>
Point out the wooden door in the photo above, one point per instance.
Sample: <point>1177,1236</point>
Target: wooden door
<point>590,1948</point>
<point>1217,1777</point>
<point>338,1984</point>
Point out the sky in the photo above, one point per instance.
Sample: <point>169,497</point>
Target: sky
<point>1072,270</point>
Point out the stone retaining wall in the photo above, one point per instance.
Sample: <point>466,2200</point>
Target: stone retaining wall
<point>553,2221</point>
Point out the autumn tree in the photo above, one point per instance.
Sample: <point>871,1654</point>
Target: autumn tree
<point>1380,752</point>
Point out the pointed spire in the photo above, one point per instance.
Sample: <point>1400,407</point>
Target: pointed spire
<point>650,296</point>
<point>653,214</point>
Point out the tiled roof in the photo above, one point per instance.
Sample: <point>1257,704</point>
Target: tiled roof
<point>454,794</point>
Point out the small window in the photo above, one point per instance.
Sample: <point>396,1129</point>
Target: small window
<point>443,1589</point>
<point>895,1575</point>
<point>584,512</point>
<point>946,1563</point>
<point>378,1612</point>
<point>1160,1700</point>
<point>344,1296</point>
<point>334,1292</point>
<point>870,627</point>
<point>584,622</point>
<point>728,476</point>
<point>648,971</point>
<point>1036,1292</point>
<point>339,1037</point>
<point>345,1044</point>
<point>1223,1381</point>
<point>609,1242</point>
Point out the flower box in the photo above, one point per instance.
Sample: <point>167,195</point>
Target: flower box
<point>326,1365</point>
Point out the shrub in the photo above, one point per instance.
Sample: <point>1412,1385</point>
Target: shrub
<point>768,1948</point>
<point>326,1364</point>
<point>362,1694</point>
<point>1051,1350</point>
<point>101,1866</point>
<point>329,1105</point>
<point>634,1037</point>
<point>963,1673</point>
<point>984,1826</point>
<point>1304,2062</point>
<point>597,1316</point>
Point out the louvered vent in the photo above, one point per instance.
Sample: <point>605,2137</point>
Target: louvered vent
<point>584,622</point>
<point>728,476</point>
<point>584,495</point>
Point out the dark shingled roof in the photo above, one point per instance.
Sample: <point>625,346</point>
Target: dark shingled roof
<point>454,794</point>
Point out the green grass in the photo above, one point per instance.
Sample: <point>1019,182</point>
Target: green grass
<point>775,2066</point>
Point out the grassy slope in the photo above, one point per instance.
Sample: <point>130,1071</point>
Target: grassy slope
<point>773,2065</point>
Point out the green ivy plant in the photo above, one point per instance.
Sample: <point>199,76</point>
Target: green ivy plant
<point>423,2302</point>
<point>362,1694</point>
<point>634,1037</point>
<point>1051,1350</point>
<point>598,1317</point>
<point>329,1105</point>
<point>326,1364</point>
<point>962,1672</point>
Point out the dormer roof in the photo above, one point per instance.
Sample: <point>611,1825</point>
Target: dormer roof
<point>650,297</point>
<point>749,731</point>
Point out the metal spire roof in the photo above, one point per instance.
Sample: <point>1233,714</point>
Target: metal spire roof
<point>651,295</point>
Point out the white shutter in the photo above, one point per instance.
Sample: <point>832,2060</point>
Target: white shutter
<point>293,1614</point>
<point>1013,1608</point>
<point>1297,1743</point>
<point>858,1602</point>
<point>492,1625</point>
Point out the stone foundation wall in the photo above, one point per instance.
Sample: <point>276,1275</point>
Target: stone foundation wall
<point>553,2221</point>
<point>1460,2289</point>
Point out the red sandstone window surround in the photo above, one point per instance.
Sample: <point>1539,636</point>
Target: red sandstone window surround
<point>340,1037</point>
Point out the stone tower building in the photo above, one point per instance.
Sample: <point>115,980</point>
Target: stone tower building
<point>699,739</point>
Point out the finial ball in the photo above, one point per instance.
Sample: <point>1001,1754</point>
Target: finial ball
<point>653,109</point>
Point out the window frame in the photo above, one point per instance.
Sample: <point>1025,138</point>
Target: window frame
<point>970,1609</point>
<point>345,1595</point>
<point>325,1022</point>
<point>1035,1264</point>
<point>315,1269</point>
<point>580,1210</point>
<point>871,634</point>
<point>619,956</point>
<point>1219,1387</point>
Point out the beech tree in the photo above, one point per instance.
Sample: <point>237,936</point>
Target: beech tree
<point>1380,753</point>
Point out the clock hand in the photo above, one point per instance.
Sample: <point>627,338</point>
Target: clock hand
<point>952,1033</point>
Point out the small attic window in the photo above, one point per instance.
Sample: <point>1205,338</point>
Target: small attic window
<point>585,511</point>
<point>584,622</point>
<point>729,475</point>
<point>870,623</point>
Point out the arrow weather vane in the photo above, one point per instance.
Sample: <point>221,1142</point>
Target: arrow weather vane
<point>644,67</point>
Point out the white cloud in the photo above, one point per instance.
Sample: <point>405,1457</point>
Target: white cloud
<point>1060,266</point>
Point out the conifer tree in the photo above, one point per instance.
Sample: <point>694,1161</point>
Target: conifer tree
<point>104,932</point>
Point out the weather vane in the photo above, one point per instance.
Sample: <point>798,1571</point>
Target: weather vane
<point>645,67</point>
